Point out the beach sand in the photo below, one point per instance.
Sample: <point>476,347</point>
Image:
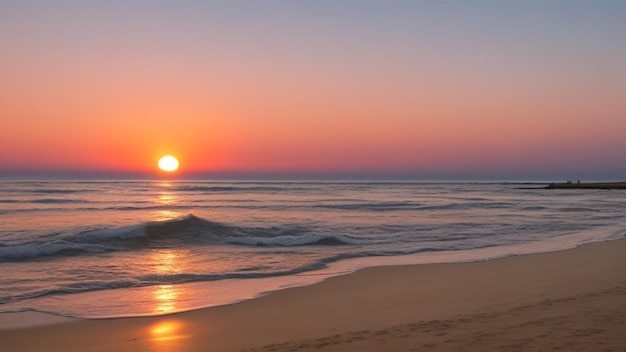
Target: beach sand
<point>572,300</point>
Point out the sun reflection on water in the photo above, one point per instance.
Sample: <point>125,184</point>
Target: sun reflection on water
<point>166,197</point>
<point>167,262</point>
<point>164,215</point>
<point>167,334</point>
<point>165,298</point>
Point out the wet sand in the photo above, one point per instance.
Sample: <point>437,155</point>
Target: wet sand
<point>572,300</point>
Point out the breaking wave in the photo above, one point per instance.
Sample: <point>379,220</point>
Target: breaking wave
<point>184,231</point>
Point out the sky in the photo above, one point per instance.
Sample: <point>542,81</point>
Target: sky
<point>415,90</point>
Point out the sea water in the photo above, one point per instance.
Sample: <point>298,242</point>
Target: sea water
<point>113,248</point>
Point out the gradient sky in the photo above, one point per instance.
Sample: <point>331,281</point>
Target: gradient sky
<point>528,90</point>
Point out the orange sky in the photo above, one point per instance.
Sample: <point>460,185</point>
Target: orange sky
<point>422,90</point>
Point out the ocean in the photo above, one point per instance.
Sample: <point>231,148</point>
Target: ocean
<point>135,248</point>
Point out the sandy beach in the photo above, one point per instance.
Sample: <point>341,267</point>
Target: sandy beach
<point>572,300</point>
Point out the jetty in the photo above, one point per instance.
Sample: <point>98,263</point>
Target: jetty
<point>587,185</point>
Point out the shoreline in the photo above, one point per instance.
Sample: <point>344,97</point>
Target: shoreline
<point>190,296</point>
<point>504,302</point>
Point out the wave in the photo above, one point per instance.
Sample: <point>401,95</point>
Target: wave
<point>373,206</point>
<point>179,232</point>
<point>55,201</point>
<point>292,241</point>
<point>577,210</point>
<point>463,206</point>
<point>235,188</point>
<point>534,208</point>
<point>54,248</point>
<point>47,191</point>
<point>179,278</point>
<point>407,205</point>
<point>163,279</point>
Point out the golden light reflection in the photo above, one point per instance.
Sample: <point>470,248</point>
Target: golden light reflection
<point>166,197</point>
<point>165,329</point>
<point>165,298</point>
<point>166,334</point>
<point>164,215</point>
<point>167,262</point>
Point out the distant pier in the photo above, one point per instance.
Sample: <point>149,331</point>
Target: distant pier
<point>590,185</point>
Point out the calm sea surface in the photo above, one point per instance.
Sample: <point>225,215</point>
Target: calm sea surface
<point>100,249</point>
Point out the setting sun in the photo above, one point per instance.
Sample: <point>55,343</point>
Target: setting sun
<point>168,163</point>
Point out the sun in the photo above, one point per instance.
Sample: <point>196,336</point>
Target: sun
<point>168,163</point>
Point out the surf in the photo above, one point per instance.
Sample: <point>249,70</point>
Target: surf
<point>188,230</point>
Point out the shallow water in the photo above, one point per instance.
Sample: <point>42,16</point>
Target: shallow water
<point>93,249</point>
